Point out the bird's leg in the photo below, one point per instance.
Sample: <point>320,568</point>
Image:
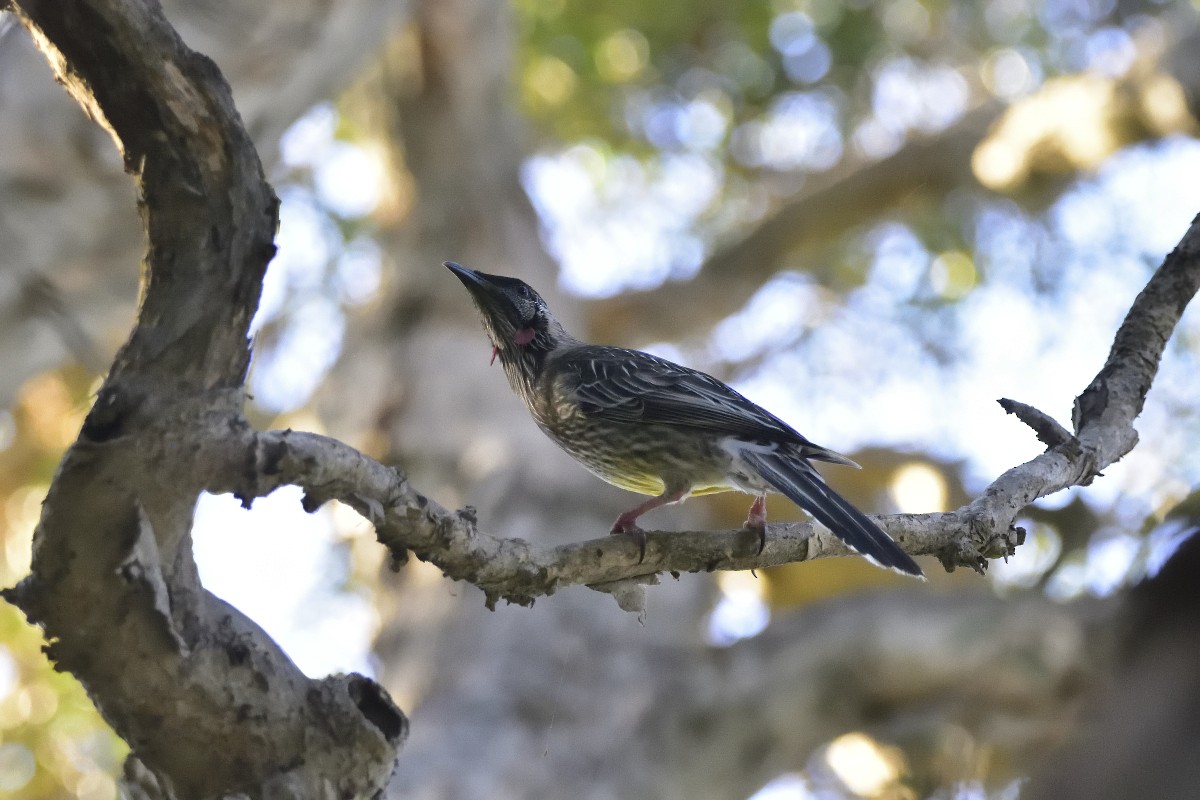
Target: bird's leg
<point>756,520</point>
<point>626,524</point>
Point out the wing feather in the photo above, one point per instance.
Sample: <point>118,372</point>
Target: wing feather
<point>623,385</point>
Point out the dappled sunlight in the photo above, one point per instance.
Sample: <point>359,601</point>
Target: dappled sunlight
<point>918,488</point>
<point>791,786</point>
<point>1009,72</point>
<point>1074,123</point>
<point>549,82</point>
<point>1011,338</point>
<point>52,737</point>
<point>48,411</point>
<point>326,263</point>
<point>785,307</point>
<point>1164,104</point>
<point>621,56</point>
<point>613,222</point>
<point>953,275</point>
<point>799,132</point>
<point>22,511</point>
<point>741,612</point>
<point>1062,128</point>
<point>866,767</point>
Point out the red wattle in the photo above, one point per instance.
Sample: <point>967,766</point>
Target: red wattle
<point>524,336</point>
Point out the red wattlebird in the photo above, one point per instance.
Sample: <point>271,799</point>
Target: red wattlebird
<point>657,428</point>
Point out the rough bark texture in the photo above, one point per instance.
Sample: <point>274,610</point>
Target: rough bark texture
<point>206,700</point>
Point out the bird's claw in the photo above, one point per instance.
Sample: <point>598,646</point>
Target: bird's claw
<point>760,530</point>
<point>756,521</point>
<point>633,531</point>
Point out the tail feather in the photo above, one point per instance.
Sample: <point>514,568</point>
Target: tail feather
<point>799,482</point>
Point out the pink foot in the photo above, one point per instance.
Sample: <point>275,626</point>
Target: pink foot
<point>756,520</point>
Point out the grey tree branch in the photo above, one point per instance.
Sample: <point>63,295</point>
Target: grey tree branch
<point>518,571</point>
<point>1048,431</point>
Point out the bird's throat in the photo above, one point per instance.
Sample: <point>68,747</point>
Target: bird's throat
<point>521,338</point>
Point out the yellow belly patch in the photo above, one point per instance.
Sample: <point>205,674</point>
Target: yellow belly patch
<point>642,484</point>
<point>711,489</point>
<point>653,485</point>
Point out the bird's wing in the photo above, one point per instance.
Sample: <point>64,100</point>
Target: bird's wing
<point>631,386</point>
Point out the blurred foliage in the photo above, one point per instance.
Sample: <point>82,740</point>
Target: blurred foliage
<point>763,95</point>
<point>759,98</point>
<point>613,70</point>
<point>630,73</point>
<point>53,743</point>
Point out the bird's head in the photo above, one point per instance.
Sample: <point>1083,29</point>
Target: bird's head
<point>517,319</point>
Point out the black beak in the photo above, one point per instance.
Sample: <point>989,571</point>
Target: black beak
<point>479,286</point>
<point>469,277</point>
<point>490,298</point>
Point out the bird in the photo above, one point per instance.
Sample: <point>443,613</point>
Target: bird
<point>658,428</point>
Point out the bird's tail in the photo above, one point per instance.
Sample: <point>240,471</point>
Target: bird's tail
<point>802,484</point>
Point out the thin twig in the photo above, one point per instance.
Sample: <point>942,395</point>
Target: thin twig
<point>1048,431</point>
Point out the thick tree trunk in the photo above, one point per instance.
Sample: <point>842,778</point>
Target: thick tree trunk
<point>207,701</point>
